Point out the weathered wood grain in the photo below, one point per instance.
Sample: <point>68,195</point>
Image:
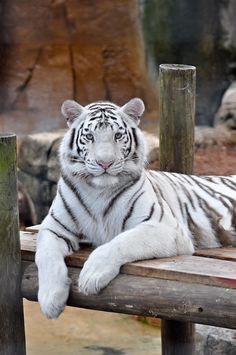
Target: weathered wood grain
<point>12,337</point>
<point>33,229</point>
<point>218,253</point>
<point>187,269</point>
<point>177,111</point>
<point>177,114</point>
<point>196,269</point>
<point>138,295</point>
<point>172,330</point>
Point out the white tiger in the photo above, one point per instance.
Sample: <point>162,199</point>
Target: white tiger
<point>105,195</point>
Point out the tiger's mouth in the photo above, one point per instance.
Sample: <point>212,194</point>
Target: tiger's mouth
<point>113,169</point>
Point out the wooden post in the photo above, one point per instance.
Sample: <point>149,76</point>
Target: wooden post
<point>177,111</point>
<point>12,337</point>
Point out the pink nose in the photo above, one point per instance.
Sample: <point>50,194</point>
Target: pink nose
<point>104,164</point>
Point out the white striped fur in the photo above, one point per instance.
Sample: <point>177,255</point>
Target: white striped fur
<point>106,195</point>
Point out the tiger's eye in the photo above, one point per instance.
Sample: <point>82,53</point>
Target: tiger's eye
<point>118,135</point>
<point>89,136</point>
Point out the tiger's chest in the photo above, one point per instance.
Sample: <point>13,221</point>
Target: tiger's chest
<point>110,217</point>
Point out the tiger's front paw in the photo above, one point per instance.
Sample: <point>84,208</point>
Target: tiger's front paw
<point>53,300</point>
<point>100,268</point>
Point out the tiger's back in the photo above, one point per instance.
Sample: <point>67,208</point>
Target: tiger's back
<point>205,205</point>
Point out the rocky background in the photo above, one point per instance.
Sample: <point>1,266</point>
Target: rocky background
<point>52,50</point>
<point>108,50</point>
<point>201,33</point>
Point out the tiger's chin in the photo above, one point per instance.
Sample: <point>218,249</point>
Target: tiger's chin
<point>105,180</point>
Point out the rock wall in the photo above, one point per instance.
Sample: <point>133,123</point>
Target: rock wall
<point>201,33</point>
<point>52,50</point>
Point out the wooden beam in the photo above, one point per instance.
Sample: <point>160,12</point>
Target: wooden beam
<point>177,111</point>
<point>12,337</point>
<point>146,296</point>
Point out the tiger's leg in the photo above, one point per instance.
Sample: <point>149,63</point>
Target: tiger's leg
<point>54,283</point>
<point>145,241</point>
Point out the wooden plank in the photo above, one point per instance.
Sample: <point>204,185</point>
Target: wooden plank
<point>187,269</point>
<point>146,296</point>
<point>33,229</point>
<point>181,268</point>
<point>28,249</point>
<point>218,253</point>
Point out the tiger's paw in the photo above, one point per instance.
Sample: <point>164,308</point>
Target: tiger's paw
<point>52,301</point>
<point>98,271</point>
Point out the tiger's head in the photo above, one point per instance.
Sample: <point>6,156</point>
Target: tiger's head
<point>103,143</point>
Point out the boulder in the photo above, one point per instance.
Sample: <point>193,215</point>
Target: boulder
<point>226,115</point>
<point>213,340</point>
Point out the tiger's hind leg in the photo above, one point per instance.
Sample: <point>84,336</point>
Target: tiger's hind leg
<point>54,283</point>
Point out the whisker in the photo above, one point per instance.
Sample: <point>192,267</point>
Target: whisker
<point>77,160</point>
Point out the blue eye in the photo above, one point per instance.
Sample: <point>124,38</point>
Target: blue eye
<point>89,136</point>
<point>118,135</point>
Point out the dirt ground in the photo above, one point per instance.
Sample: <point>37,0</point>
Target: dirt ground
<point>84,332</point>
<point>215,160</point>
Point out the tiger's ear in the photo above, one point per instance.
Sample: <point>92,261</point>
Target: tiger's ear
<point>71,110</point>
<point>134,109</point>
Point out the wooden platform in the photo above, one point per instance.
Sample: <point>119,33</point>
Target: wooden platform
<point>199,288</point>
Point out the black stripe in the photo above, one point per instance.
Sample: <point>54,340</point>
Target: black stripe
<point>97,106</point>
<point>116,197</point>
<point>135,137</point>
<point>230,184</point>
<point>131,210</point>
<point>111,116</point>
<point>150,213</point>
<point>63,225</point>
<point>66,240</point>
<point>95,118</point>
<point>72,139</point>
<point>223,236</point>
<point>194,229</point>
<point>79,133</point>
<point>185,178</point>
<point>128,149</point>
<point>67,207</point>
<point>174,186</point>
<point>76,192</point>
<point>160,192</point>
<point>158,198</point>
<point>209,178</point>
<point>211,191</point>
